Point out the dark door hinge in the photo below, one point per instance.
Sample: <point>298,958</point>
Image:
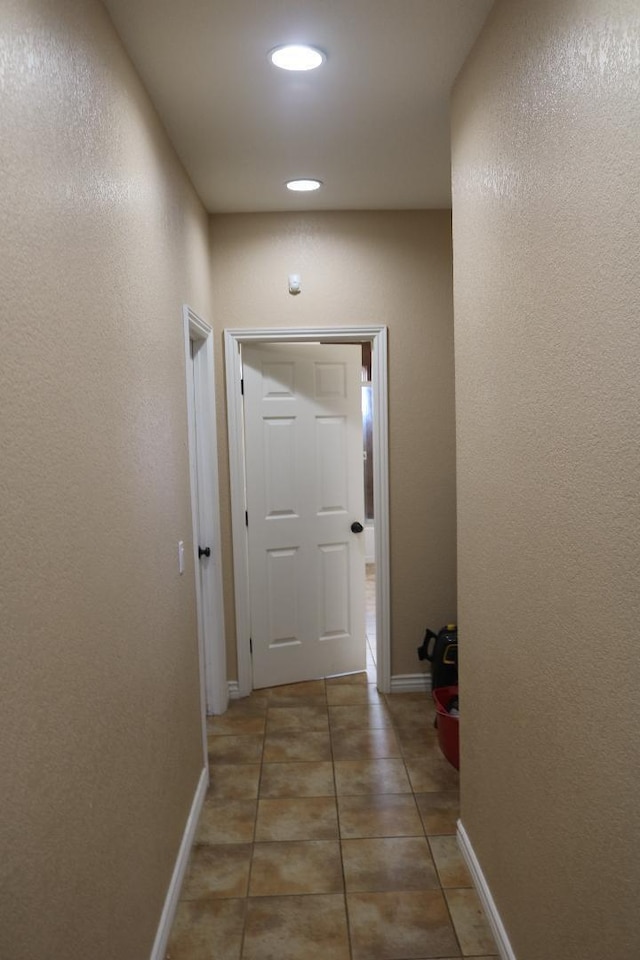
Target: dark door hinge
<point>242,386</point>
<point>250,645</point>
<point>246,518</point>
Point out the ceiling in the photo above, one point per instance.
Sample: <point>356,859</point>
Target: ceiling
<point>372,123</point>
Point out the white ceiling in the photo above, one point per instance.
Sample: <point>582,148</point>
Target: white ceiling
<point>372,123</point>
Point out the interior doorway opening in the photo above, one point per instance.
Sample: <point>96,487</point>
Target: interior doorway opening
<point>369,511</point>
<point>370,620</point>
<point>376,336</point>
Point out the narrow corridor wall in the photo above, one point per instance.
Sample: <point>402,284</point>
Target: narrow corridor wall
<point>546,143</point>
<point>102,241</point>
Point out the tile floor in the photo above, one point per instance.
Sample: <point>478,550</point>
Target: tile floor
<point>328,833</point>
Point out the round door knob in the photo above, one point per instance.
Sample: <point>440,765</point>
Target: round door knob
<point>204,552</point>
<point>357,527</point>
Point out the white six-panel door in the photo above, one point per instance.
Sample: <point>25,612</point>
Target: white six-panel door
<point>303,439</point>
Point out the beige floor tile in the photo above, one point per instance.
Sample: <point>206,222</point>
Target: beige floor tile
<point>422,725</point>
<point>418,743</point>
<point>449,862</point>
<point>430,718</point>
<point>470,923</point>
<point>236,723</point>
<point>235,749</point>
<point>286,700</point>
<point>390,863</point>
<point>227,821</point>
<point>234,781</point>
<point>412,714</point>
<point>387,815</point>
<point>281,747</point>
<point>305,692</point>
<point>420,729</point>
<point>355,777</point>
<point>432,775</point>
<point>310,818</point>
<point>256,702</point>
<point>352,694</point>
<point>348,678</point>
<point>305,718</point>
<point>361,744</point>
<point>439,811</point>
<point>206,928</point>
<point>419,697</point>
<point>217,871</point>
<point>281,869</point>
<point>361,717</point>
<point>399,925</point>
<point>296,928</point>
<point>311,779</point>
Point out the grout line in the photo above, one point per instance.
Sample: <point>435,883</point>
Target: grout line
<point>255,827</point>
<point>453,926</point>
<point>344,879</point>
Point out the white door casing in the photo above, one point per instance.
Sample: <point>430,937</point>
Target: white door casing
<point>234,339</point>
<point>205,511</point>
<point>303,446</point>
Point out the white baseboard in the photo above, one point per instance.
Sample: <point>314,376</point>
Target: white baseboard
<point>411,682</point>
<point>480,883</point>
<point>401,683</point>
<point>173,893</point>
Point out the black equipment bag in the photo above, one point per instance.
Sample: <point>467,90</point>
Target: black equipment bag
<point>441,650</point>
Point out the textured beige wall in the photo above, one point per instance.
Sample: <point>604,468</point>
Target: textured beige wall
<point>102,240</point>
<point>360,268</point>
<point>546,144</point>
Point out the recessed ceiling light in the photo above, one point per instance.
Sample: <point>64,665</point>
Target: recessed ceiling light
<point>304,185</point>
<point>295,56</point>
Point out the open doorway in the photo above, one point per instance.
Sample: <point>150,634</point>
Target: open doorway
<point>369,511</point>
<point>376,337</point>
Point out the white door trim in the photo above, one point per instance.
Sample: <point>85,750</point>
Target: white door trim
<point>377,336</point>
<point>205,512</point>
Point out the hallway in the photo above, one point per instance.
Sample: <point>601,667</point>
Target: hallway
<point>328,832</point>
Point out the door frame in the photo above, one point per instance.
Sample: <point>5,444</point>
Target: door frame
<point>205,511</point>
<point>233,340</point>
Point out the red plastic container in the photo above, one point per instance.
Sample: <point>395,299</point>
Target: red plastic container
<point>448,726</point>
